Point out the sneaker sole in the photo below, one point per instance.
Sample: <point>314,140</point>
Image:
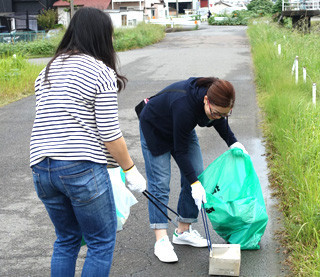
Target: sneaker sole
<point>166,261</point>
<point>189,243</point>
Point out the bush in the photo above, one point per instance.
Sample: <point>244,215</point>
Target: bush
<point>260,7</point>
<point>277,7</point>
<point>47,19</point>
<point>236,18</point>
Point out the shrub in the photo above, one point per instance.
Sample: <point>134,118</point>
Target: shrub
<point>277,7</point>
<point>260,7</point>
<point>47,19</point>
<point>236,18</point>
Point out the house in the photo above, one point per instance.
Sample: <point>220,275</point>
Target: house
<point>123,13</point>
<point>185,5</point>
<point>21,14</point>
<point>221,7</point>
<point>63,8</point>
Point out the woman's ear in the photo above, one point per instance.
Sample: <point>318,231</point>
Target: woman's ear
<point>205,99</point>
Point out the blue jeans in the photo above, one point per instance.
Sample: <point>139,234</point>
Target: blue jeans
<point>79,200</point>
<point>158,171</point>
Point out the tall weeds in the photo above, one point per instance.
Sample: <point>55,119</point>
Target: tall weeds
<point>124,39</point>
<point>292,131</point>
<point>17,78</point>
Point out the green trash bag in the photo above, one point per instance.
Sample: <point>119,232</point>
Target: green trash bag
<point>235,204</point>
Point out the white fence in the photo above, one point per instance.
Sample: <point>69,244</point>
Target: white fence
<point>295,5</point>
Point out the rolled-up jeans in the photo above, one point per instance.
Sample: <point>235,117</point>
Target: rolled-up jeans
<point>79,200</point>
<point>158,171</point>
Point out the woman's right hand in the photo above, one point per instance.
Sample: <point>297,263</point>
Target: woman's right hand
<point>136,182</point>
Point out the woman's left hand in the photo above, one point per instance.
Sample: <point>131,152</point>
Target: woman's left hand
<point>239,145</point>
<point>198,194</point>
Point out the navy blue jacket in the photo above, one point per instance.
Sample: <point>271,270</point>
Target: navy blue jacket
<point>168,119</point>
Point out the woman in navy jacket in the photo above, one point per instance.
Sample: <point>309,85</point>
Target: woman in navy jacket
<point>167,125</point>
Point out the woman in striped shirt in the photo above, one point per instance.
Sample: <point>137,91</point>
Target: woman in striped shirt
<point>75,135</point>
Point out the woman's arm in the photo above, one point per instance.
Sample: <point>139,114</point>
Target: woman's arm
<point>119,151</point>
<point>222,127</point>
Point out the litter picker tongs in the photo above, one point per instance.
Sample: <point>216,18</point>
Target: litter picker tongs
<point>206,227</point>
<point>147,194</point>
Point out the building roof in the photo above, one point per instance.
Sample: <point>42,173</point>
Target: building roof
<point>222,3</point>
<point>99,4</point>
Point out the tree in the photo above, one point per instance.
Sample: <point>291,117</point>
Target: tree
<point>47,19</point>
<point>260,7</point>
<point>277,7</point>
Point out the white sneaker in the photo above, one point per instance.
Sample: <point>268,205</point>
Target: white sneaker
<point>163,249</point>
<point>191,237</point>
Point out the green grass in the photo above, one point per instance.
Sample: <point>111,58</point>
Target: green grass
<point>141,36</point>
<point>292,130</point>
<point>36,48</point>
<point>124,39</point>
<point>17,78</point>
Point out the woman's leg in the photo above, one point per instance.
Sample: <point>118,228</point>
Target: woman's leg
<point>79,200</point>
<point>59,208</point>
<point>187,208</point>
<point>158,171</point>
<point>94,207</point>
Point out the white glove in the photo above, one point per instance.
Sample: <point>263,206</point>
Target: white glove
<point>198,194</point>
<point>239,145</point>
<point>135,180</point>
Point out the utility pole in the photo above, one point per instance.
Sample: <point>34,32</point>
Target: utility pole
<point>71,8</point>
<point>27,20</point>
<point>177,7</point>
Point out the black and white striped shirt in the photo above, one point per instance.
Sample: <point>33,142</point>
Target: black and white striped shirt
<point>76,111</point>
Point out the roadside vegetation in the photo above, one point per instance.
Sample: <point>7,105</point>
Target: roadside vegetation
<point>17,78</point>
<point>141,36</point>
<point>255,9</point>
<point>17,75</point>
<point>125,39</point>
<point>292,131</point>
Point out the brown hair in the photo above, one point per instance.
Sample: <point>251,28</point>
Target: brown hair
<point>220,92</point>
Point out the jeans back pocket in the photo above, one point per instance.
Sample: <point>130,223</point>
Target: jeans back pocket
<point>81,187</point>
<point>37,184</point>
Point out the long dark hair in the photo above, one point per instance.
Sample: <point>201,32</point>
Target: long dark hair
<point>220,92</point>
<point>90,32</point>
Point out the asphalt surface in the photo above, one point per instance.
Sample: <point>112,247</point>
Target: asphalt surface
<point>26,233</point>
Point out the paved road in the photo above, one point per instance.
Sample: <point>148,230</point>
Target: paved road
<point>26,233</point>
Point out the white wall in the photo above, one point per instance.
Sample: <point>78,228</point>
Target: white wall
<point>133,17</point>
<point>63,17</point>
